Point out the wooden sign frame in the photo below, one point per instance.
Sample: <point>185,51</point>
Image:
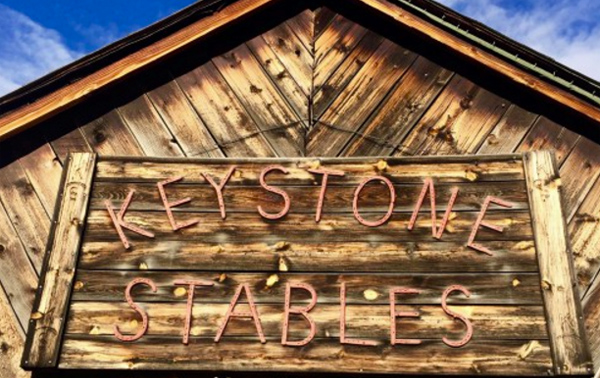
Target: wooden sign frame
<point>563,351</point>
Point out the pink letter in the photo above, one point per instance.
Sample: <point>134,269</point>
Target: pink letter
<point>469,334</point>
<point>298,311</point>
<point>219,189</point>
<point>325,173</point>
<point>137,309</point>
<point>429,184</point>
<point>190,303</point>
<point>252,314</point>
<point>480,223</point>
<point>396,314</point>
<point>272,189</point>
<point>343,338</point>
<point>169,205</point>
<point>390,209</point>
<point>119,223</point>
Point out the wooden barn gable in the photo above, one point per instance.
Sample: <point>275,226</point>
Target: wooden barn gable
<point>314,78</point>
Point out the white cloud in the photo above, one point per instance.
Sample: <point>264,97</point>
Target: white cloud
<point>566,30</point>
<point>28,50</point>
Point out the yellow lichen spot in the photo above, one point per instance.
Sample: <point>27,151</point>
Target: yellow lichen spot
<point>524,245</point>
<point>143,266</point>
<point>382,165</point>
<point>196,331</point>
<point>133,323</point>
<point>470,175</point>
<point>283,265</point>
<point>222,277</point>
<point>546,285</point>
<point>217,249</point>
<point>237,173</point>
<point>95,330</point>
<point>280,246</point>
<point>272,280</point>
<point>315,164</point>
<point>180,291</point>
<point>78,285</point>
<point>452,216</point>
<point>516,282</point>
<point>528,348</point>
<point>370,294</point>
<point>36,315</point>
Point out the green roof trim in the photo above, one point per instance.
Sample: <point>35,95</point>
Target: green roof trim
<point>550,76</point>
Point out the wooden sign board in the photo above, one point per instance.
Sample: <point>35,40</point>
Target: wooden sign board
<point>454,265</point>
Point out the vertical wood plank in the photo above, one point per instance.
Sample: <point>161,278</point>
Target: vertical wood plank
<point>564,314</point>
<point>48,316</point>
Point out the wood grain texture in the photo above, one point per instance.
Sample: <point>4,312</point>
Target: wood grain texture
<point>356,102</point>
<point>19,278</point>
<point>150,131</point>
<point>48,316</point>
<point>245,198</point>
<point>300,227</point>
<point>72,94</point>
<point>511,256</point>
<point>11,341</point>
<point>591,312</point>
<point>399,112</point>
<point>263,102</point>
<point>223,113</point>
<point>454,170</point>
<point>483,357</point>
<point>509,132</point>
<point>487,288</point>
<point>563,309</point>
<point>457,123</point>
<point>373,321</point>
<point>548,135</point>
<point>24,208</point>
<point>184,123</point>
<point>108,135</point>
<point>490,60</point>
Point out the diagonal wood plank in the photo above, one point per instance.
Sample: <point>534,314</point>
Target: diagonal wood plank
<point>401,110</point>
<point>263,102</point>
<point>233,129</point>
<point>509,132</point>
<point>182,120</point>
<point>548,135</point>
<point>303,26</point>
<point>152,134</point>
<point>358,100</point>
<point>108,135</point>
<point>293,54</point>
<point>281,77</point>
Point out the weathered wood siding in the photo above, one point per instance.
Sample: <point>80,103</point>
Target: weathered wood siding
<point>318,84</point>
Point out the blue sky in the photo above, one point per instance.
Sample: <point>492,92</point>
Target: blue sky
<point>38,36</point>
